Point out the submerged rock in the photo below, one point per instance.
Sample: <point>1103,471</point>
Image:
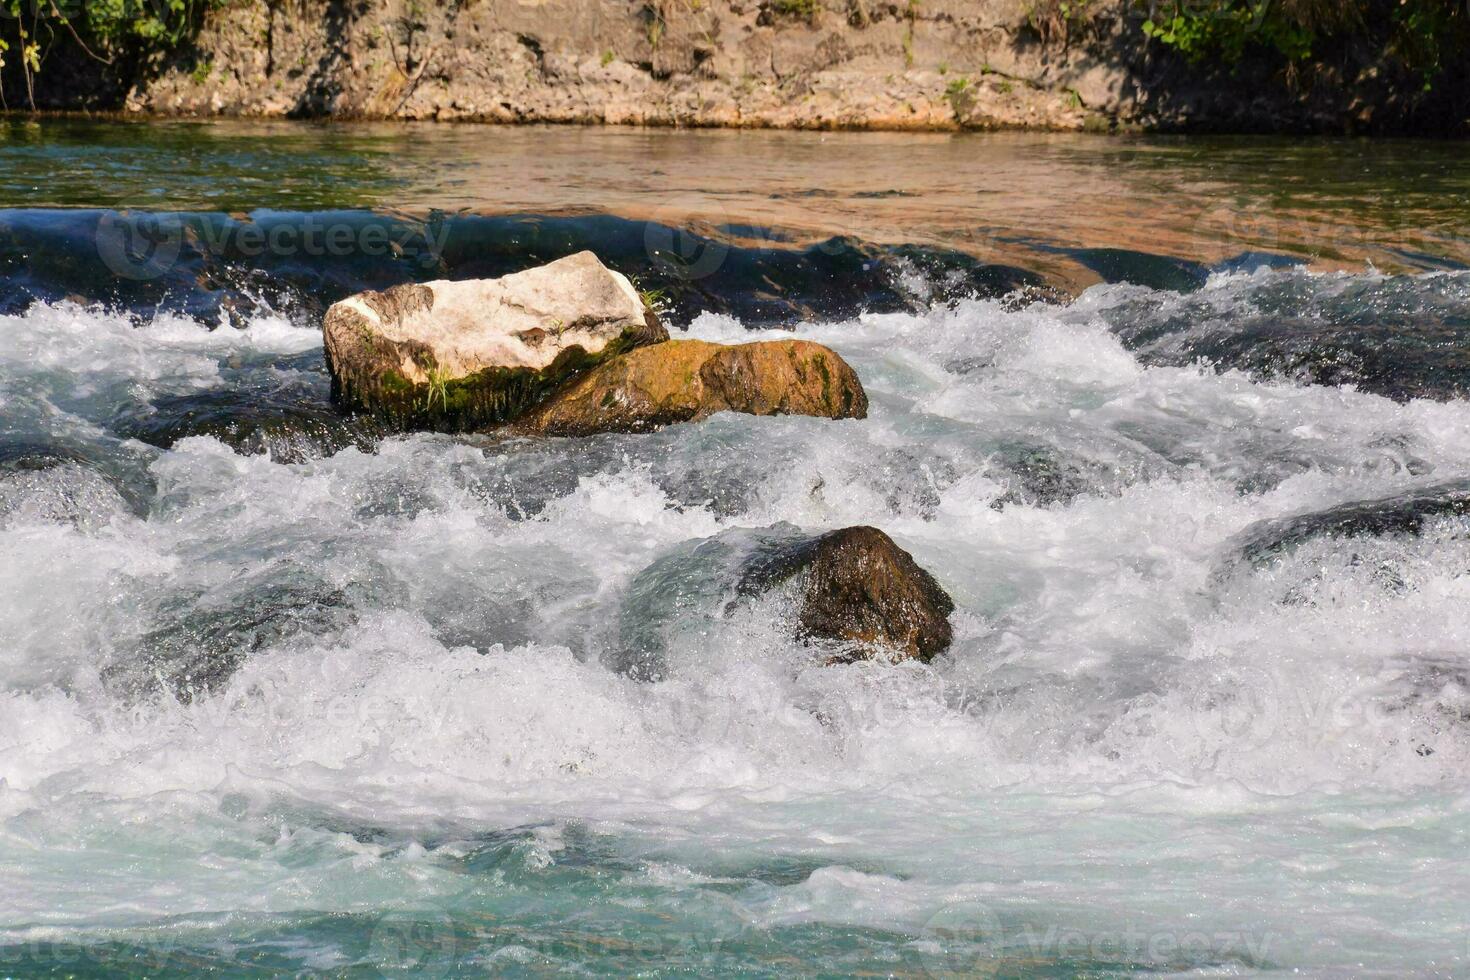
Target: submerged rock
<point>457,356</point>
<point>251,425</point>
<point>687,380</point>
<point>1040,475</point>
<point>57,483</point>
<point>861,590</point>
<point>201,636</point>
<point>1403,337</point>
<point>66,493</point>
<point>1404,514</point>
<point>853,593</point>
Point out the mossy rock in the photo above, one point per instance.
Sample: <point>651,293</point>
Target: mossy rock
<point>471,355</point>
<point>687,380</point>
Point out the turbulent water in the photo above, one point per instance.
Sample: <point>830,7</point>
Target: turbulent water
<point>281,692</point>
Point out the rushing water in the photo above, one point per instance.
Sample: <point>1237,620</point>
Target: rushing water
<point>284,693</point>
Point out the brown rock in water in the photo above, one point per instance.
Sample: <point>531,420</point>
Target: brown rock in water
<point>687,380</point>
<point>863,590</point>
<point>457,356</point>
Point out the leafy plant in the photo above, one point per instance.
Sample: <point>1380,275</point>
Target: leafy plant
<point>438,382</point>
<point>960,97</point>
<point>1223,30</point>
<point>656,300</point>
<point>107,31</point>
<point>1429,36</point>
<point>1423,36</point>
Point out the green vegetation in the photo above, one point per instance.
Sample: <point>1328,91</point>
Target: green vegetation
<point>957,93</point>
<point>656,300</point>
<point>1422,38</point>
<point>438,386</point>
<point>1223,30</point>
<point>106,31</point>
<point>806,9</point>
<point>1425,37</point>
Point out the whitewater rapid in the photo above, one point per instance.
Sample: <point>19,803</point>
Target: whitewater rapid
<point>265,706</point>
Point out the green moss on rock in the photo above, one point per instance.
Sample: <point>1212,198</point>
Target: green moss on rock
<point>475,402</point>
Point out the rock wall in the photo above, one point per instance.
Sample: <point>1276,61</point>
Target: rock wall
<point>782,63</point>
<point>905,64</point>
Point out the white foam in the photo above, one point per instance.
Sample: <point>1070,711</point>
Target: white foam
<point>1104,694</point>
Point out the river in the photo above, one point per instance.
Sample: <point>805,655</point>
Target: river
<point>284,693</point>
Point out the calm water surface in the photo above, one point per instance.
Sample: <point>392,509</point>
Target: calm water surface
<point>1011,198</point>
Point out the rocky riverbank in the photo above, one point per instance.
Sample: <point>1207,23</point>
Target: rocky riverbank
<point>812,64</point>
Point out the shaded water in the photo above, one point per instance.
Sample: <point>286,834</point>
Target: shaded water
<point>283,693</point>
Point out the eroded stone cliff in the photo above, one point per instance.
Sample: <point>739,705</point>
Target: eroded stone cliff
<point>785,63</point>
<point>814,64</point>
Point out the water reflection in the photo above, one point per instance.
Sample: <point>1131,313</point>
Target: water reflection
<point>1020,199</point>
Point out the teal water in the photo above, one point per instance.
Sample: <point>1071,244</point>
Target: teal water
<point>282,694</point>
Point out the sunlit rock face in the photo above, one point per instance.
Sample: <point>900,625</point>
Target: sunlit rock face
<point>457,356</point>
<point>688,380</point>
